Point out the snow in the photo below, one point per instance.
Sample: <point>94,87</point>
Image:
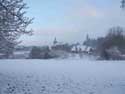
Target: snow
<point>82,47</point>
<point>65,76</point>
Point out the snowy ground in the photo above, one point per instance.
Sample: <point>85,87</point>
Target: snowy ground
<point>62,77</point>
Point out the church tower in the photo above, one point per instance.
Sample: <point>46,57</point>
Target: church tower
<point>87,37</point>
<point>55,41</point>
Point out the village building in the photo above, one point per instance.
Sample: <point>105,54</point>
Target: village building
<point>60,46</point>
<point>81,49</point>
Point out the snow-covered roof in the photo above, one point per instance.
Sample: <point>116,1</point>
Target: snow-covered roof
<point>82,47</point>
<point>79,47</point>
<point>88,49</point>
<point>73,48</point>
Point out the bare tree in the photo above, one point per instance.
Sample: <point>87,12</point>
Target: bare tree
<point>13,23</point>
<point>115,38</point>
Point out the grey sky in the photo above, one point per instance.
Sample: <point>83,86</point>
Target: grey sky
<point>71,20</point>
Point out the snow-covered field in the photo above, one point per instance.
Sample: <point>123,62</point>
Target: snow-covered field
<point>62,77</point>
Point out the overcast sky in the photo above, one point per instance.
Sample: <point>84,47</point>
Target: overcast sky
<point>71,20</point>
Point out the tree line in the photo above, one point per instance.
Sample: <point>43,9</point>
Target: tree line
<point>14,23</point>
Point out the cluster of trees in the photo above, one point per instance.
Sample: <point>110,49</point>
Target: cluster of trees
<point>41,53</point>
<point>115,38</point>
<point>46,52</point>
<point>13,23</point>
<point>123,4</point>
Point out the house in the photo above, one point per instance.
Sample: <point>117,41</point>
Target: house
<point>78,48</point>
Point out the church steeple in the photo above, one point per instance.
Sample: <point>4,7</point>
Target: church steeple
<point>55,41</point>
<point>87,37</point>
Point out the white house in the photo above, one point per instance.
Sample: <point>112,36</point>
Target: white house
<point>81,48</point>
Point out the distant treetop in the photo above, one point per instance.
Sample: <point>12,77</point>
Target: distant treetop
<point>123,4</point>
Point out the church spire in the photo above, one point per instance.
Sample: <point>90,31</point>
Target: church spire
<point>55,41</point>
<point>87,37</point>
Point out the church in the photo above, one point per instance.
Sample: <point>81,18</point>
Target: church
<point>60,46</point>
